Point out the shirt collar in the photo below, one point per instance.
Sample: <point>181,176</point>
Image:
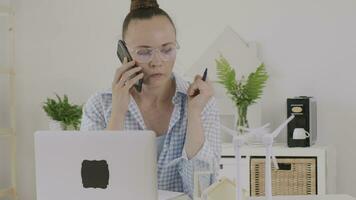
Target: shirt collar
<point>181,88</point>
<point>180,93</point>
<point>181,84</point>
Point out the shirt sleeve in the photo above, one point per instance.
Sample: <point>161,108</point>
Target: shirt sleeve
<point>208,157</point>
<point>93,114</point>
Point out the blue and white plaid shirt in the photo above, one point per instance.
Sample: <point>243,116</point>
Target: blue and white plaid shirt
<point>175,170</point>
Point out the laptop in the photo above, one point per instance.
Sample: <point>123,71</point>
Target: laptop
<point>94,165</point>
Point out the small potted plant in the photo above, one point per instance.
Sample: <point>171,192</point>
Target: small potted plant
<point>243,92</point>
<point>63,114</point>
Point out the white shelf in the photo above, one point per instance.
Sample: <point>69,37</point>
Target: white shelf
<point>228,162</point>
<point>282,149</point>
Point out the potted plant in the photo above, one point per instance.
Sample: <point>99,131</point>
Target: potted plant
<point>243,92</point>
<point>63,114</point>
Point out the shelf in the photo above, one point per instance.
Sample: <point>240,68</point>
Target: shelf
<point>280,149</point>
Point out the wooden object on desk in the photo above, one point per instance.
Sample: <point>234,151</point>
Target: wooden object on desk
<point>222,189</point>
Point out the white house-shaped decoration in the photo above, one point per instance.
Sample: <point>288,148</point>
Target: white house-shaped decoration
<point>244,58</point>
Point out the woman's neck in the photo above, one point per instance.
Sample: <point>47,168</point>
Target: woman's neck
<point>155,96</point>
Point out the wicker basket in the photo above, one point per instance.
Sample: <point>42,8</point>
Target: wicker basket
<point>296,176</point>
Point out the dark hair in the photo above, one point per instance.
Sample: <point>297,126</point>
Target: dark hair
<point>144,9</point>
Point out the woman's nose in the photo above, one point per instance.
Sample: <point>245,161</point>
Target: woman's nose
<point>156,59</point>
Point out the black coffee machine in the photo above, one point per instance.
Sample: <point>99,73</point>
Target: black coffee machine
<point>304,110</point>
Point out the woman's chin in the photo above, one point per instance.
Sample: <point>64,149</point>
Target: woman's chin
<point>155,80</point>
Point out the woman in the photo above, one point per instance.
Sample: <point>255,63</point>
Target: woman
<point>183,116</point>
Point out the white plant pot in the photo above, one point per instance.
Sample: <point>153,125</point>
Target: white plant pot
<point>55,125</point>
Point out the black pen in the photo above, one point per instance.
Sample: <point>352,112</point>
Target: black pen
<point>204,79</point>
<point>205,74</point>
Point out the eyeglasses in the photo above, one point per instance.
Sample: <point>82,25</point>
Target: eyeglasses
<point>145,54</point>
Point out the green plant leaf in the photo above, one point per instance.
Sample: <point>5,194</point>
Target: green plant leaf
<point>242,92</point>
<point>62,110</point>
<point>227,76</point>
<point>255,83</point>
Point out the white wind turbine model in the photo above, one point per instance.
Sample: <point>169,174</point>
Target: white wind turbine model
<point>261,135</point>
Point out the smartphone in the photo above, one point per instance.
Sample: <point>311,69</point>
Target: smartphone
<point>123,52</point>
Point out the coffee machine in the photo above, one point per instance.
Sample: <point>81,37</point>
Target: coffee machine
<point>304,110</point>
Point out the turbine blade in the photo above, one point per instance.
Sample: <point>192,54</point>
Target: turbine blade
<point>280,128</point>
<point>229,131</point>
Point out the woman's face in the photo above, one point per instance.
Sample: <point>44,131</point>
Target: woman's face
<point>152,43</point>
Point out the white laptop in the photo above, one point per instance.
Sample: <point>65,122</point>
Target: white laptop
<point>94,165</point>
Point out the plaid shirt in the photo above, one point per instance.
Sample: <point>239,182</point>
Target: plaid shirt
<point>175,170</point>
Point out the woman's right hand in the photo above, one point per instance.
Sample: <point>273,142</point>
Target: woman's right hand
<point>123,81</point>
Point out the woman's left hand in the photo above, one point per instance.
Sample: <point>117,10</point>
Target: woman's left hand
<point>199,93</point>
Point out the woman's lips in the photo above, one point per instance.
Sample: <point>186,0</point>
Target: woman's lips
<point>157,75</point>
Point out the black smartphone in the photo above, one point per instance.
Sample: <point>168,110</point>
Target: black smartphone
<point>123,52</point>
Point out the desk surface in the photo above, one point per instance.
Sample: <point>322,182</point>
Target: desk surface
<point>310,197</point>
<point>305,197</point>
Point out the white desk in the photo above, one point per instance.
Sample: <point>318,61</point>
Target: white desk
<point>310,197</point>
<point>167,195</point>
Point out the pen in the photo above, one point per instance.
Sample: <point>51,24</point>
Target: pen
<point>205,74</point>
<point>204,79</point>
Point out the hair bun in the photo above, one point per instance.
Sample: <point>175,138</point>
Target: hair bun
<point>137,4</point>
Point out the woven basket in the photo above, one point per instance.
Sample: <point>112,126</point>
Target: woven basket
<point>297,176</point>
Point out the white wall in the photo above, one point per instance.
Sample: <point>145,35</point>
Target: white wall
<point>67,46</point>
